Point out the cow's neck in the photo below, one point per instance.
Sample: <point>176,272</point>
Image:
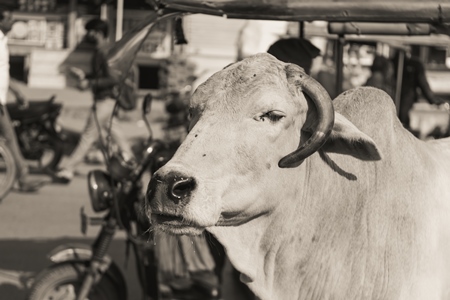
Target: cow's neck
<point>299,256</point>
<point>245,249</point>
<point>255,248</point>
<point>265,256</point>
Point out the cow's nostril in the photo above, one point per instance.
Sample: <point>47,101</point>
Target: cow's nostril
<point>180,187</point>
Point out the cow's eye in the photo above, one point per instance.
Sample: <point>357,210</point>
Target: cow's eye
<point>271,116</point>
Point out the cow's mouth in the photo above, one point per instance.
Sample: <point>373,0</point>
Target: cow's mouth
<point>162,218</point>
<point>175,224</point>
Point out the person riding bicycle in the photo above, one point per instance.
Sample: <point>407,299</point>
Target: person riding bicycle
<point>6,127</point>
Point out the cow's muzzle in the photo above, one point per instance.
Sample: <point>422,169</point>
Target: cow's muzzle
<point>166,199</point>
<point>178,187</point>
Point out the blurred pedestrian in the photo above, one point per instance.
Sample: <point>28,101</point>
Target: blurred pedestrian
<point>6,127</point>
<point>414,80</point>
<point>102,84</point>
<point>382,75</point>
<point>326,76</point>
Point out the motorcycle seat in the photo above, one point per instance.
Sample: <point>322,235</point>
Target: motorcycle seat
<point>35,109</point>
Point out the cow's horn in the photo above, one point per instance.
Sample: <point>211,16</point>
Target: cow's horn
<point>325,115</point>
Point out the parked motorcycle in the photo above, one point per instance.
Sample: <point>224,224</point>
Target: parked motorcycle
<point>88,272</point>
<point>41,140</point>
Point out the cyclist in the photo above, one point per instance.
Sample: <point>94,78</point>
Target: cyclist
<point>6,127</point>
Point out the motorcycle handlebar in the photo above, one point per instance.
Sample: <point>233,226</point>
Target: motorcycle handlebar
<point>146,108</point>
<point>146,104</point>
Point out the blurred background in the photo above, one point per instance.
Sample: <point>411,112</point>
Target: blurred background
<point>48,37</point>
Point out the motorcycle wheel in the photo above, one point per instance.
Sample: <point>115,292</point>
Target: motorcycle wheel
<point>52,152</point>
<point>62,282</point>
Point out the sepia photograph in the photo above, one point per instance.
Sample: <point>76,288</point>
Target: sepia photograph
<point>224,150</point>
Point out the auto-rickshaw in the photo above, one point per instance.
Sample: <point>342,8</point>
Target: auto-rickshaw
<point>400,40</point>
<point>389,20</point>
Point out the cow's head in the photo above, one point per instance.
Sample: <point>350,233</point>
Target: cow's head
<point>251,128</point>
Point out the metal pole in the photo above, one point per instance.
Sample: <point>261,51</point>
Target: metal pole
<point>339,63</point>
<point>104,12</point>
<point>398,87</point>
<point>119,19</point>
<point>71,18</point>
<point>301,29</point>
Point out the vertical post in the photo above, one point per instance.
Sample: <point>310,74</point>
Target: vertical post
<point>398,86</point>
<point>339,63</point>
<point>104,11</point>
<point>71,19</point>
<point>119,19</point>
<point>301,29</point>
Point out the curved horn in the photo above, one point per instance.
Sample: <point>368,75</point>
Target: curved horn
<point>325,115</point>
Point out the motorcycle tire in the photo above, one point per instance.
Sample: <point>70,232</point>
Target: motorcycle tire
<point>64,280</point>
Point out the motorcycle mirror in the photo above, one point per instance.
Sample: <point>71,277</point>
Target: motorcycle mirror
<point>146,104</point>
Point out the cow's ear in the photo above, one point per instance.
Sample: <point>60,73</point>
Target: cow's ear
<point>346,139</point>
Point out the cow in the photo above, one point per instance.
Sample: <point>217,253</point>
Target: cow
<point>311,198</point>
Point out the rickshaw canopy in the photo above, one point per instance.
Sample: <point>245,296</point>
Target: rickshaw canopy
<point>436,13</point>
<point>395,11</point>
<point>313,10</point>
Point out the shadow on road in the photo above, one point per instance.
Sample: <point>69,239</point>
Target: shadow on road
<point>11,291</point>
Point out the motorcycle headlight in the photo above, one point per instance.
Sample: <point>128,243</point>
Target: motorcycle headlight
<point>100,190</point>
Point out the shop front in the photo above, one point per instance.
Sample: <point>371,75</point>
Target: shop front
<point>47,37</point>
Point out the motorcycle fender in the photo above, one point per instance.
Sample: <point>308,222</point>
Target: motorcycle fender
<point>72,252</point>
<point>83,253</point>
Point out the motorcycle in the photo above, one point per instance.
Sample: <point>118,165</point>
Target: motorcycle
<point>42,142</point>
<point>88,272</point>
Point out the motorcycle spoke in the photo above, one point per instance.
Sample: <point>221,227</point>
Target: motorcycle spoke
<point>63,292</point>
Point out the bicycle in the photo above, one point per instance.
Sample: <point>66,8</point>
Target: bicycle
<point>8,169</point>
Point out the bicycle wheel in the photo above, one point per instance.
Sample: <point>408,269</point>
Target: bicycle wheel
<point>7,170</point>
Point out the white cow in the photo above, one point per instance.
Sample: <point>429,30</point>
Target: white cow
<point>361,210</point>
